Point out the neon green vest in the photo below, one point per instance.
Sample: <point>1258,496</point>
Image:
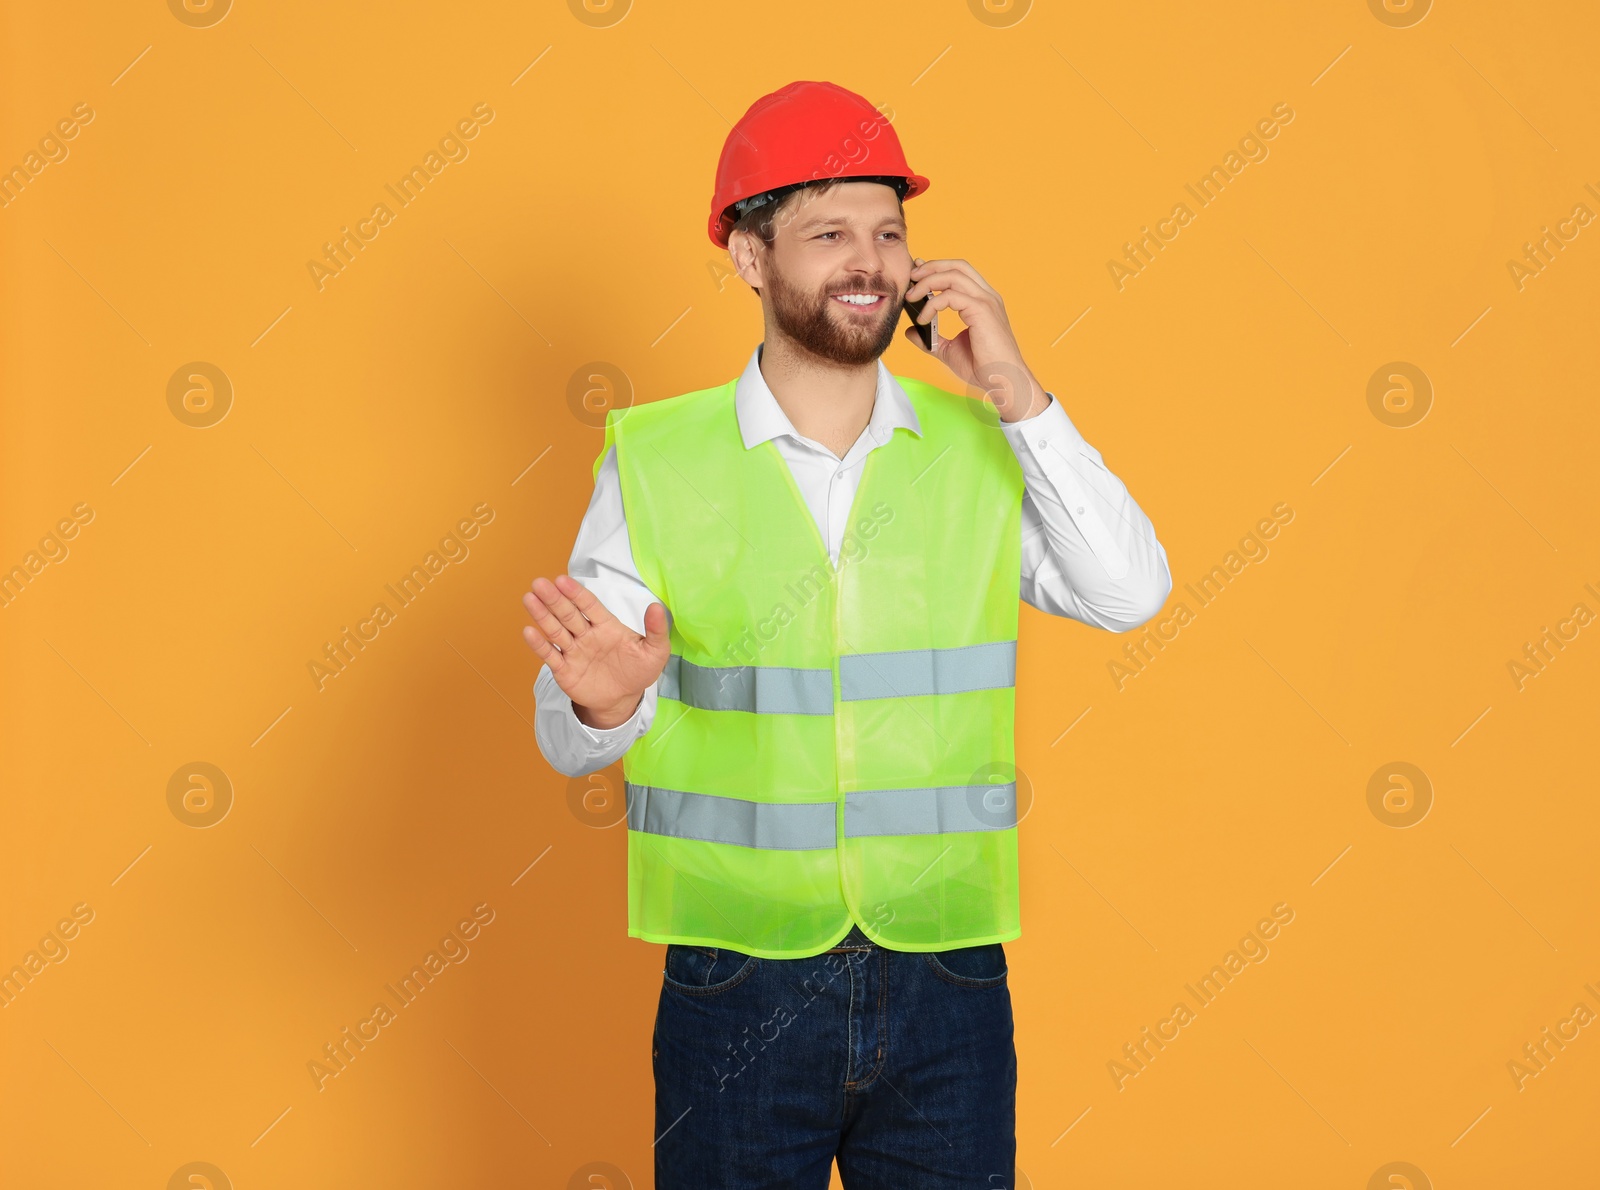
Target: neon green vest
<point>830,745</point>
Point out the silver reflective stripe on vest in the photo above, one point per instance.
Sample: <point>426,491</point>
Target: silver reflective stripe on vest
<point>764,689</point>
<point>809,826</point>
<point>930,811</point>
<point>782,826</point>
<point>928,671</point>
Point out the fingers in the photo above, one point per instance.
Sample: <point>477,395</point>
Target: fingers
<point>962,301</point>
<point>547,652</point>
<point>585,600</point>
<point>957,291</point>
<point>557,606</point>
<point>565,607</point>
<point>939,274</point>
<point>928,282</point>
<point>922,269</point>
<point>544,624</point>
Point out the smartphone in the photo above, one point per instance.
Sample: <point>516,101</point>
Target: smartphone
<point>925,330</point>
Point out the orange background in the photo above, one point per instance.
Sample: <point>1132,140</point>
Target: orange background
<point>431,376</point>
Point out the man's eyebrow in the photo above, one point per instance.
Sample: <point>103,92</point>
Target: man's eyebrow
<point>837,220</point>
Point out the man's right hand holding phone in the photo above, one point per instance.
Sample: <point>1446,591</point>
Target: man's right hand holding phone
<point>598,661</point>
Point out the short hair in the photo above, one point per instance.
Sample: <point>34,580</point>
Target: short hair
<point>763,221</point>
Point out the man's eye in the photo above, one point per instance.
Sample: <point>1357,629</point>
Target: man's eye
<point>828,233</point>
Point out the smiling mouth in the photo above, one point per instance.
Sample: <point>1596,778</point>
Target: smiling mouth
<point>863,301</point>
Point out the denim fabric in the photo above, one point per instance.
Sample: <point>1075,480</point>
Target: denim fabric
<point>900,1064</point>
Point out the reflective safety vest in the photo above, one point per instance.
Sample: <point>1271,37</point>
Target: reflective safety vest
<point>831,744</point>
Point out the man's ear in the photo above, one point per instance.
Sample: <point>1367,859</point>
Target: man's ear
<point>747,258</point>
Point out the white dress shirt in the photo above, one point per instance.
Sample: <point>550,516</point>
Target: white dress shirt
<point>1088,551</point>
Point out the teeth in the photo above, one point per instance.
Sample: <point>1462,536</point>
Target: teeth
<point>857,299</point>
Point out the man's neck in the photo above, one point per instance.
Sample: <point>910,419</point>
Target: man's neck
<point>826,402</point>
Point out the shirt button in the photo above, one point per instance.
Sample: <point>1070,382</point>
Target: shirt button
<point>1080,510</point>
<point>1043,442</point>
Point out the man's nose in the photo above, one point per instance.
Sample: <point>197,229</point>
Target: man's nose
<point>870,260</point>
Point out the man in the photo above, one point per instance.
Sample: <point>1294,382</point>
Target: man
<point>803,635</point>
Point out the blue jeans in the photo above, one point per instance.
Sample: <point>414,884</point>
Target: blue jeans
<point>901,1065</point>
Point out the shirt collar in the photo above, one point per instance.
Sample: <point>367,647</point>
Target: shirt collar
<point>761,417</point>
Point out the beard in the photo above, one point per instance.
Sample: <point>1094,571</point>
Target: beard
<point>835,335</point>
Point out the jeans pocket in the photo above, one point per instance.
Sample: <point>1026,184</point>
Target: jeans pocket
<point>969,966</point>
<point>705,970</point>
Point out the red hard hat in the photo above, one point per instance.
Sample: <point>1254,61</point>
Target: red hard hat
<point>805,133</point>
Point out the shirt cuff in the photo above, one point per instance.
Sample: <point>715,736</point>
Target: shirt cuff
<point>1049,427</point>
<point>605,735</point>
